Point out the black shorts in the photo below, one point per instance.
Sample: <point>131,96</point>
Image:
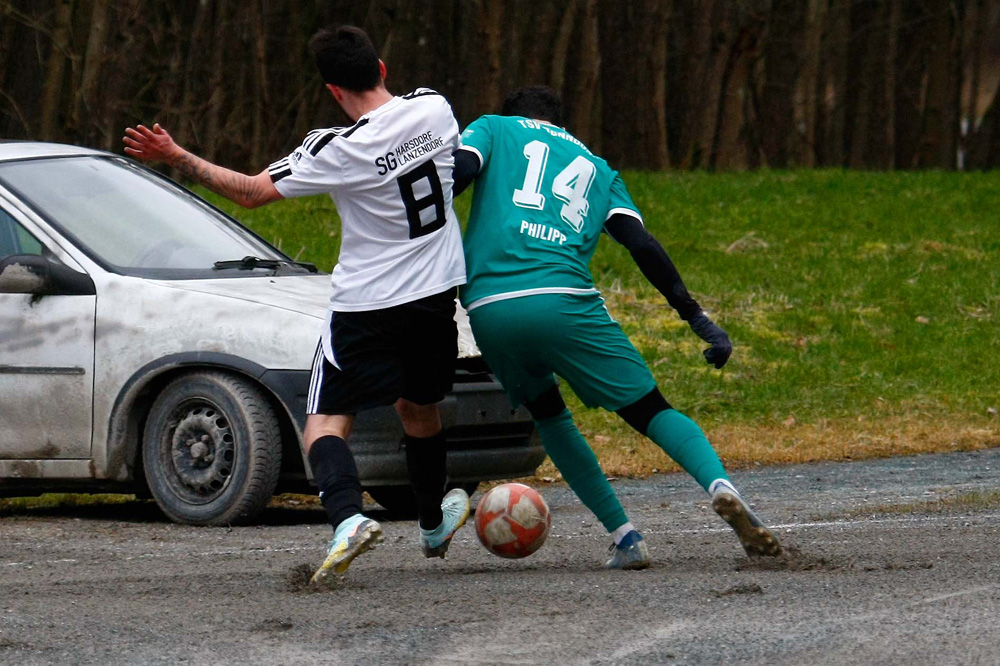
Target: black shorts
<point>406,351</point>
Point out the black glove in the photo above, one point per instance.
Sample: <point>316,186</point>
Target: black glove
<point>706,329</point>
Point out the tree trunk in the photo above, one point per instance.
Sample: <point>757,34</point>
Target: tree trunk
<point>580,116</point>
<point>985,145</point>
<point>260,91</point>
<point>832,93</point>
<point>807,92</point>
<point>782,50</point>
<point>542,32</point>
<point>982,145</point>
<point>694,86</point>
<point>92,60</point>
<point>978,17</point>
<point>7,28</point>
<point>658,151</point>
<point>910,67</point>
<point>730,145</point>
<point>560,49</point>
<point>217,96</point>
<point>52,89</point>
<point>193,74</point>
<point>868,140</point>
<point>634,68</point>
<point>938,141</point>
<point>488,68</point>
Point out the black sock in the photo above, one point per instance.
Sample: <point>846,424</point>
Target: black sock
<point>337,477</point>
<point>427,467</point>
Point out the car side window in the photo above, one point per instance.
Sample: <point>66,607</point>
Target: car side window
<point>15,239</point>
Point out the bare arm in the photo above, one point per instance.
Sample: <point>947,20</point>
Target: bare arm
<point>157,145</point>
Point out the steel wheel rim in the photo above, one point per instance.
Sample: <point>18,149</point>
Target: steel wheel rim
<point>200,454</point>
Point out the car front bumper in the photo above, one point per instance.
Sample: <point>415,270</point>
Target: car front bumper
<point>487,439</point>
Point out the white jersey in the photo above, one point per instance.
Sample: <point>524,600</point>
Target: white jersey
<point>390,176</point>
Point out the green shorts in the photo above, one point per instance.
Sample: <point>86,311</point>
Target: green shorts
<point>529,339</point>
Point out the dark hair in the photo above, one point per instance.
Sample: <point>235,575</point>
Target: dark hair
<point>538,102</point>
<point>346,57</point>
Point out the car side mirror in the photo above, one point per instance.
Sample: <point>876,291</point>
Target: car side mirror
<point>25,274</point>
<point>40,276</point>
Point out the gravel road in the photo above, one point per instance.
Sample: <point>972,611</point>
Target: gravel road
<point>878,574</point>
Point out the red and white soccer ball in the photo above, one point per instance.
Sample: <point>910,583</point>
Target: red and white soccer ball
<point>512,520</point>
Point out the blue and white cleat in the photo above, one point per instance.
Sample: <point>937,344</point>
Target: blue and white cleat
<point>754,536</point>
<point>456,509</point>
<point>352,537</point>
<point>629,553</point>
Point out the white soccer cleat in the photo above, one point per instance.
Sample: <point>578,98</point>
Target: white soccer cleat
<point>455,510</point>
<point>754,536</point>
<point>352,537</point>
<point>629,554</point>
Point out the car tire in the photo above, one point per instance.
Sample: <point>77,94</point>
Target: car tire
<point>211,450</point>
<point>400,502</point>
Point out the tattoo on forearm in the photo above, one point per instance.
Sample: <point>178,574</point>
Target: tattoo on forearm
<point>234,186</point>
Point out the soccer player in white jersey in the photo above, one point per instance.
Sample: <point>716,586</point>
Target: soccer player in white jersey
<point>390,336</point>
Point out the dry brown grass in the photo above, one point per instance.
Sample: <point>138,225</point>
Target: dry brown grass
<point>627,454</point>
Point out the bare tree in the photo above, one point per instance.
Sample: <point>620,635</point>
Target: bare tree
<point>939,137</point>
<point>633,69</point>
<point>782,53</point>
<point>867,94</point>
<point>53,85</point>
<point>731,145</point>
<point>86,95</point>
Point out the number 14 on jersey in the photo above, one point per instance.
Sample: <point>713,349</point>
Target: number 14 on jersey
<point>571,185</point>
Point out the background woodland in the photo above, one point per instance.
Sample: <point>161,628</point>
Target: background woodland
<point>649,84</point>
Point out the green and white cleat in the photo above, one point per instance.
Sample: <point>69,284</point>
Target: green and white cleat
<point>629,553</point>
<point>352,537</point>
<point>754,536</point>
<point>456,509</point>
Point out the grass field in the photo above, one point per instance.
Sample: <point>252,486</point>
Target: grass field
<point>864,310</point>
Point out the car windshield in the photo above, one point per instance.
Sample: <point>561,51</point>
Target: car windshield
<point>130,219</point>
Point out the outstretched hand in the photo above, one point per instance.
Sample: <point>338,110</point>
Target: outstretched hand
<point>707,330</point>
<point>154,144</point>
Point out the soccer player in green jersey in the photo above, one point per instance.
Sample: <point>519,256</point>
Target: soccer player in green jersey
<point>541,202</point>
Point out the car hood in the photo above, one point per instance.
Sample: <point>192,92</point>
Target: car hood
<point>305,294</point>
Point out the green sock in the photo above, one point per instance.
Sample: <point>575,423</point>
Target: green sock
<point>576,460</point>
<point>683,440</point>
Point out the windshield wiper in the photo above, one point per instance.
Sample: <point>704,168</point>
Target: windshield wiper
<point>250,262</point>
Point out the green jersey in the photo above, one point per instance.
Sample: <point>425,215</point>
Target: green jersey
<point>540,203</point>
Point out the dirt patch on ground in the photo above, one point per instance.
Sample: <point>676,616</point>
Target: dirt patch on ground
<point>298,578</point>
<point>792,559</point>
<point>742,588</point>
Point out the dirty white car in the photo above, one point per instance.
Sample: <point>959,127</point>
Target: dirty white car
<point>150,343</point>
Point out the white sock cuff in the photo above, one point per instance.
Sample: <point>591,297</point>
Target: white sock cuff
<point>620,533</point>
<point>720,484</point>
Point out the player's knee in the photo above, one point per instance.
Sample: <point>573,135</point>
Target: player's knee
<point>546,406</point>
<point>641,412</point>
<point>321,425</point>
<point>419,420</point>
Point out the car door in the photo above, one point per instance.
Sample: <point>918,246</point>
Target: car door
<point>46,362</point>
